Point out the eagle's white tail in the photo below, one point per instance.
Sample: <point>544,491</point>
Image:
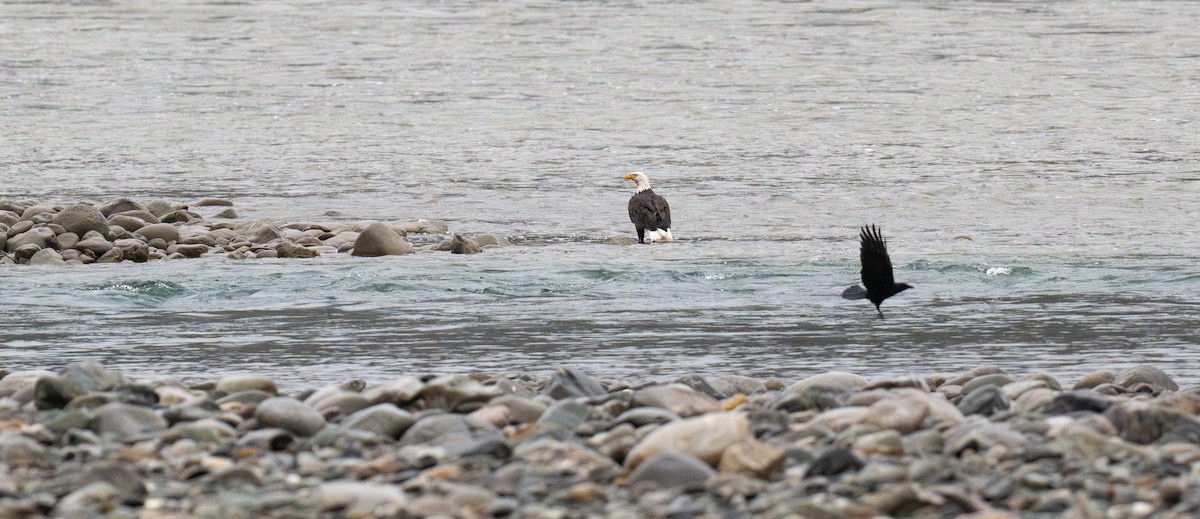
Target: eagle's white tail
<point>659,235</point>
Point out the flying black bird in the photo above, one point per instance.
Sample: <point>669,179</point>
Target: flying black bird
<point>649,211</point>
<point>876,271</point>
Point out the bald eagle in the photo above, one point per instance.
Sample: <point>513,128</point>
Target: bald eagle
<point>648,211</point>
<point>876,270</point>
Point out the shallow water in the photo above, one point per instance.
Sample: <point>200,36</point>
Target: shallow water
<point>1033,165</point>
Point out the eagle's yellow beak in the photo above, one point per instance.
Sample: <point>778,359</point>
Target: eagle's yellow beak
<point>629,176</point>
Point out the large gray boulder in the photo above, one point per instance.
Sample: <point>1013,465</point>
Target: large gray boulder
<point>81,218</point>
<point>378,239</point>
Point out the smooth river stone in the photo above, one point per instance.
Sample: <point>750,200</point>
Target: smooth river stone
<point>290,414</point>
<point>677,398</point>
<point>128,223</point>
<point>122,420</point>
<point>384,419</point>
<point>901,414</point>
<point>18,381</point>
<point>47,257</point>
<point>705,437</point>
<point>230,384</point>
<point>359,498</point>
<point>378,239</point>
<point>66,241</point>
<point>220,202</point>
<point>226,213</point>
<point>97,245</point>
<point>1149,375</point>
<point>159,208</point>
<point>40,236</point>
<point>81,218</point>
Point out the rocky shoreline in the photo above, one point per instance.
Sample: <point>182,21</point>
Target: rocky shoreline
<point>87,441</point>
<point>128,230</point>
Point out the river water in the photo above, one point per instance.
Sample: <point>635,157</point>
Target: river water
<point>1033,165</point>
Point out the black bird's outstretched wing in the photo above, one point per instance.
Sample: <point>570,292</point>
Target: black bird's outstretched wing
<point>650,211</point>
<point>876,265</point>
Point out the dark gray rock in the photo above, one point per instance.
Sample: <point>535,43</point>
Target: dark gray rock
<point>291,414</point>
<point>833,462</point>
<point>571,383</point>
<point>985,399</point>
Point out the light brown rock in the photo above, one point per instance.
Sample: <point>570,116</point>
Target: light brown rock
<point>378,239</point>
<point>705,437</point>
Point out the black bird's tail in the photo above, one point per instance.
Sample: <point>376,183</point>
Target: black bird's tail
<point>855,292</point>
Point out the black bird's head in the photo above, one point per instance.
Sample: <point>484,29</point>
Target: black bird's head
<point>900,287</point>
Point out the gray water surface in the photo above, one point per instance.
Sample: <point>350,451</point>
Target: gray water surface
<point>1033,165</point>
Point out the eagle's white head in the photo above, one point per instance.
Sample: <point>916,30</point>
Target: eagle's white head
<point>639,178</point>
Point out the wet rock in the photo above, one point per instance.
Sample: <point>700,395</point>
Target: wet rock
<point>459,244</point>
<point>287,249</point>
<point>226,213</point>
<point>378,239</point>
<point>81,218</point>
<point>671,470</point>
<point>677,398</point>
<point>290,414</point>
<point>218,202</point>
<point>571,383</point>
<point>188,251</point>
<point>995,379</point>
<point>1148,375</point>
<point>120,420</point>
<point>705,437</point>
